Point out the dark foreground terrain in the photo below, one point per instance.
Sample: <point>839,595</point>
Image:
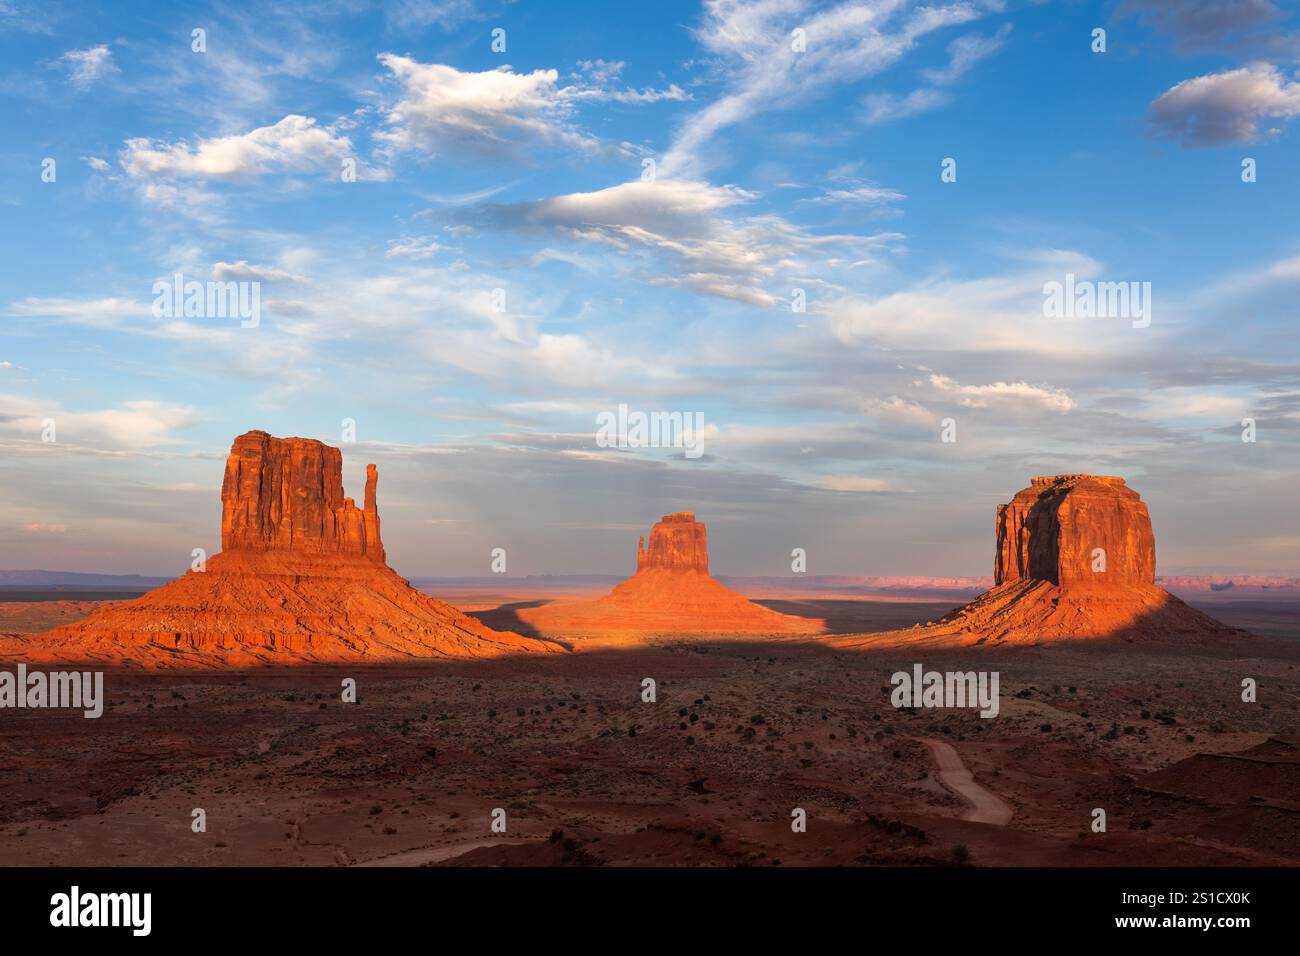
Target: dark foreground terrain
<point>742,734</point>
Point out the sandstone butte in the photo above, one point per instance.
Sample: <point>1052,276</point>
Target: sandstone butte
<point>670,593</point>
<point>1075,560</point>
<point>301,578</point>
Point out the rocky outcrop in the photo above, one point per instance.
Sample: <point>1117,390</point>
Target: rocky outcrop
<point>302,579</point>
<point>677,543</point>
<point>286,495</point>
<point>1076,531</point>
<point>670,593</point>
<point>1075,560</point>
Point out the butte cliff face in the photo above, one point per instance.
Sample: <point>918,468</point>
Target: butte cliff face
<point>1076,531</point>
<point>286,494</point>
<point>671,593</point>
<point>677,543</point>
<point>301,579</point>
<point>1075,560</point>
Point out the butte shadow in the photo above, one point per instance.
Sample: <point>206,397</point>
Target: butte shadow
<point>301,579</point>
<point>1075,561</point>
<point>670,593</point>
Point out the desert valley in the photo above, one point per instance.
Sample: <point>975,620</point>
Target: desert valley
<point>317,709</point>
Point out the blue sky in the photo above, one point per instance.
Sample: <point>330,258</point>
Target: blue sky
<point>775,169</point>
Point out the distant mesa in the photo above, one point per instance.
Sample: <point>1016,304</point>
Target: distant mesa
<point>670,593</point>
<point>1075,560</point>
<point>301,578</point>
<point>677,543</point>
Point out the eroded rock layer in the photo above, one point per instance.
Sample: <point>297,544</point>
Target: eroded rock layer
<point>670,593</point>
<point>302,579</point>
<point>1075,560</point>
<point>1076,531</point>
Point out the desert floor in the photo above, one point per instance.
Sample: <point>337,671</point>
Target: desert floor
<point>743,732</point>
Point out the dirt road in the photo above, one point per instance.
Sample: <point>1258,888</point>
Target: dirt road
<point>986,806</point>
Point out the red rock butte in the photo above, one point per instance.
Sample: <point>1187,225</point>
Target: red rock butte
<point>1075,560</point>
<point>670,593</point>
<point>301,578</point>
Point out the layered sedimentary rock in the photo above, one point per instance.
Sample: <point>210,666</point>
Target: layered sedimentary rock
<point>301,579</point>
<point>1075,560</point>
<point>286,494</point>
<point>1076,531</point>
<point>677,543</point>
<point>670,593</point>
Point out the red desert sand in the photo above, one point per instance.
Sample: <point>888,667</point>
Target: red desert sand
<point>671,593</point>
<point>301,578</point>
<point>1076,560</point>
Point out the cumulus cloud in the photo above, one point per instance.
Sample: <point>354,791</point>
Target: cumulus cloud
<point>1226,107</point>
<point>494,112</point>
<point>87,67</point>
<point>294,143</point>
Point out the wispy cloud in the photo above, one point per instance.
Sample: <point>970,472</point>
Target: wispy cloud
<point>87,67</point>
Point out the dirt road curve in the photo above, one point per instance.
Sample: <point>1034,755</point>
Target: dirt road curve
<point>986,806</point>
<point>436,854</point>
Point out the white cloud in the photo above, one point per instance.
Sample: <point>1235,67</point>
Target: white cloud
<point>419,14</point>
<point>963,54</point>
<point>242,271</point>
<point>1001,311</point>
<point>294,143</point>
<point>1003,393</point>
<point>688,224</point>
<point>143,423</point>
<point>1175,403</point>
<point>868,194</point>
<point>854,483</point>
<point>87,67</point>
<point>886,107</point>
<point>95,163</point>
<point>1226,107</point>
<point>845,42</point>
<point>412,247</point>
<point>441,108</point>
<point>898,409</point>
<point>597,79</point>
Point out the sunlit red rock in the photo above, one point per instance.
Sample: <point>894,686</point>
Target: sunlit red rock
<point>1076,531</point>
<point>302,578</point>
<point>670,593</point>
<point>1075,560</point>
<point>677,543</point>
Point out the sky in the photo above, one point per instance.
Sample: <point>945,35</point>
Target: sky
<point>825,229</point>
